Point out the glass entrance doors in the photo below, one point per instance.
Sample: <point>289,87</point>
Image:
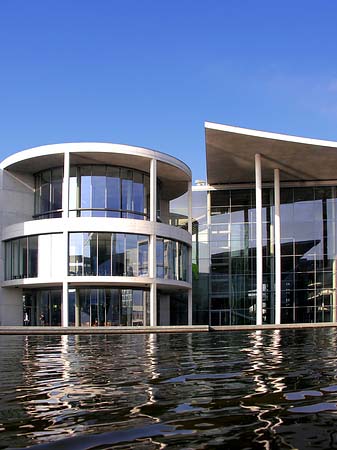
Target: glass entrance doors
<point>42,308</point>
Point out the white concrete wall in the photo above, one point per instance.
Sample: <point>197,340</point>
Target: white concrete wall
<point>17,205</point>
<point>16,197</point>
<point>50,256</point>
<point>11,310</point>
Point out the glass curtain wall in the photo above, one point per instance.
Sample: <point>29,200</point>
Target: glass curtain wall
<point>172,259</point>
<point>21,257</point>
<point>224,255</point>
<point>308,248</point>
<point>108,191</point>
<point>48,193</point>
<point>200,258</point>
<point>43,307</point>
<point>232,247</point>
<point>108,254</point>
<point>109,307</point>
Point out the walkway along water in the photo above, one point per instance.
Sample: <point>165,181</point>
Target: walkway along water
<point>10,330</point>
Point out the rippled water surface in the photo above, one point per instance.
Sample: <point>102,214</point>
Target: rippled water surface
<point>240,390</point>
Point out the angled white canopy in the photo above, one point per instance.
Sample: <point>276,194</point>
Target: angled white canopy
<point>230,155</point>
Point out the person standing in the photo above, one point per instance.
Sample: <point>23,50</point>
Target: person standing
<point>26,319</point>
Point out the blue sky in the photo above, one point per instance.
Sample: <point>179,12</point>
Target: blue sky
<point>151,72</point>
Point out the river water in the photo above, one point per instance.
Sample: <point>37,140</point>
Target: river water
<point>238,390</point>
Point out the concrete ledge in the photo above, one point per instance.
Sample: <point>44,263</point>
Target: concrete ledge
<point>9,330</point>
<point>102,330</point>
<point>272,326</point>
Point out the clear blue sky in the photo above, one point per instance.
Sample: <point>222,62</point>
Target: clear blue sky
<point>150,72</point>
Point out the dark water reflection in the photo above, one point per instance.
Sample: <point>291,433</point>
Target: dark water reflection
<point>259,389</point>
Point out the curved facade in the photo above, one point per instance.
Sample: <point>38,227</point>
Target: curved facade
<point>95,235</point>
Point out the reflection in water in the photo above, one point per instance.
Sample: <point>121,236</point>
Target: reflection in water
<point>259,389</point>
<point>265,356</point>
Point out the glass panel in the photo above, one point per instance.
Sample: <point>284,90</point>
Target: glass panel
<point>101,307</point>
<point>126,307</point>
<point>178,209</point>
<point>56,189</point>
<point>73,192</point>
<point>118,254</point>
<point>113,186</point>
<point>160,257</point>
<point>8,254</point>
<point>55,308</point>
<point>147,196</point>
<point>37,194</point>
<point>113,307</point>
<point>90,253</point>
<point>138,308</point>
<point>138,192</point>
<point>16,258</point>
<point>127,204</point>
<point>45,191</point>
<point>143,255</point>
<point>84,300</point>
<point>98,182</point>
<point>131,255</point>
<point>104,254</point>
<point>94,307</point>
<point>85,190</point>
<point>44,308</point>
<point>76,254</point>
<point>32,256</point>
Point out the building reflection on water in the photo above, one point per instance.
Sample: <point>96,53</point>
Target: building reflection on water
<point>214,389</point>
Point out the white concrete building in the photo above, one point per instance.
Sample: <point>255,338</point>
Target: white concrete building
<point>91,235</point>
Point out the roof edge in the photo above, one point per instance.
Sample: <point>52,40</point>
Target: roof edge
<point>268,135</point>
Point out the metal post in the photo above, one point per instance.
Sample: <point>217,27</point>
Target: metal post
<point>277,222</point>
<point>259,267</point>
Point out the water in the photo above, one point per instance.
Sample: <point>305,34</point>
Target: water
<point>240,390</point>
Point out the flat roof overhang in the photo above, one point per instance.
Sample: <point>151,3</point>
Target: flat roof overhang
<point>173,173</point>
<point>230,153</point>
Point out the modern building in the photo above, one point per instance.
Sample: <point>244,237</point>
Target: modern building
<point>264,229</point>
<point>104,234</point>
<point>91,236</point>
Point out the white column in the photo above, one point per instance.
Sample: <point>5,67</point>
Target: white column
<point>277,222</point>
<point>65,321</point>
<point>65,214</point>
<point>153,304</point>
<point>153,242</point>
<point>259,275</point>
<point>189,308</point>
<point>77,309</point>
<point>153,190</point>
<point>189,207</point>
<point>334,272</point>
<point>189,305</point>
<point>65,188</point>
